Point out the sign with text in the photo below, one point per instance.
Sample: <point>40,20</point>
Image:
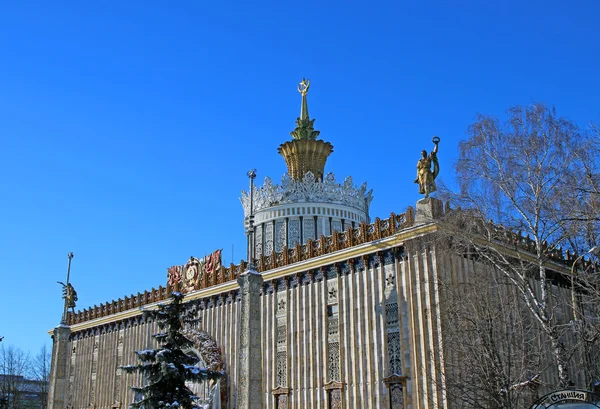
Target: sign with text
<point>568,399</point>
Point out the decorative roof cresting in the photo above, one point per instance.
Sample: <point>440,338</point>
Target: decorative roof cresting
<point>308,190</point>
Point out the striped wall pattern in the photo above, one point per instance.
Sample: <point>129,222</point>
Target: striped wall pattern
<point>332,335</point>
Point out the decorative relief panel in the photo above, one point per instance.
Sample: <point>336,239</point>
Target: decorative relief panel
<point>293,232</point>
<point>281,336</point>
<point>336,225</point>
<point>392,323</point>
<point>394,353</point>
<point>259,240</point>
<point>308,228</point>
<point>281,368</point>
<point>391,317</point>
<point>333,328</point>
<point>333,361</point>
<point>281,305</point>
<point>279,235</point>
<point>390,283</point>
<point>335,399</point>
<point>397,396</point>
<point>333,343</point>
<point>322,226</point>
<point>282,402</point>
<point>332,291</point>
<point>268,238</point>
<point>390,280</point>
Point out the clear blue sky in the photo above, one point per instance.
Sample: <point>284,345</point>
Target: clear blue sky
<point>126,128</point>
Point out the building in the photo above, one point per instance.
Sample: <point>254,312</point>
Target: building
<point>18,392</point>
<point>338,310</point>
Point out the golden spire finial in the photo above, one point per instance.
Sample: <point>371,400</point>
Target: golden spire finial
<point>303,87</point>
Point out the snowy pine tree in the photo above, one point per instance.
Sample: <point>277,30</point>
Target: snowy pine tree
<point>167,368</point>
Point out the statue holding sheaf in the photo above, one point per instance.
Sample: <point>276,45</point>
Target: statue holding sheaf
<point>425,174</point>
<point>70,295</point>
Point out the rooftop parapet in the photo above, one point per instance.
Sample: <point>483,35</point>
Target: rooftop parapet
<point>364,233</point>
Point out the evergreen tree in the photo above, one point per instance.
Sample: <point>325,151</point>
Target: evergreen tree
<point>167,368</point>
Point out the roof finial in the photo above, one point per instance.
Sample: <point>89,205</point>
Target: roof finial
<point>303,89</point>
<point>304,125</point>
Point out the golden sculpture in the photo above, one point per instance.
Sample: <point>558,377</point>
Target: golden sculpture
<point>70,295</point>
<point>303,87</point>
<point>425,175</point>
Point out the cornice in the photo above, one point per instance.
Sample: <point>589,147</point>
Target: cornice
<point>315,262</point>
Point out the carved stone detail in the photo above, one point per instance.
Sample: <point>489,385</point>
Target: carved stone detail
<point>249,394</point>
<point>335,399</point>
<point>333,361</point>
<point>397,396</point>
<point>281,368</point>
<point>268,238</point>
<point>332,291</point>
<point>396,385</point>
<point>309,189</point>
<point>391,317</point>
<point>279,235</point>
<point>259,242</point>
<point>293,232</point>
<point>308,228</point>
<point>393,337</point>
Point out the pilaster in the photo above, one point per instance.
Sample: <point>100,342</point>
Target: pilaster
<point>249,382</point>
<point>57,390</point>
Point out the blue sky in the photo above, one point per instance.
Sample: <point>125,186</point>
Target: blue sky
<point>126,128</point>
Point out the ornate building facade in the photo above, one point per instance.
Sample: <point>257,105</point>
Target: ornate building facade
<point>338,310</point>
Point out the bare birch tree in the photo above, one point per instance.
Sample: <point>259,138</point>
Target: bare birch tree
<point>527,175</point>
<point>489,338</point>
<point>14,366</point>
<point>40,371</point>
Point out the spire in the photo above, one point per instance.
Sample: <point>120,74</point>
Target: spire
<point>304,153</point>
<point>304,125</point>
<point>303,89</point>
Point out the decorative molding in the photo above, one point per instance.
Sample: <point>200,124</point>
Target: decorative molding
<point>91,318</point>
<point>333,385</point>
<point>395,379</point>
<point>280,390</point>
<point>308,190</point>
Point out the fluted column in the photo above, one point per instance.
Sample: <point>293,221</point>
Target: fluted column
<point>249,381</point>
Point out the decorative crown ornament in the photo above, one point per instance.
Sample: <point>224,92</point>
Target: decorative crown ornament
<point>308,190</point>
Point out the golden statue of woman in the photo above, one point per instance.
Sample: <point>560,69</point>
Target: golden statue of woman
<point>70,295</point>
<point>425,175</point>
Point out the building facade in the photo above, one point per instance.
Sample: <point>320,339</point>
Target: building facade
<point>346,309</point>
